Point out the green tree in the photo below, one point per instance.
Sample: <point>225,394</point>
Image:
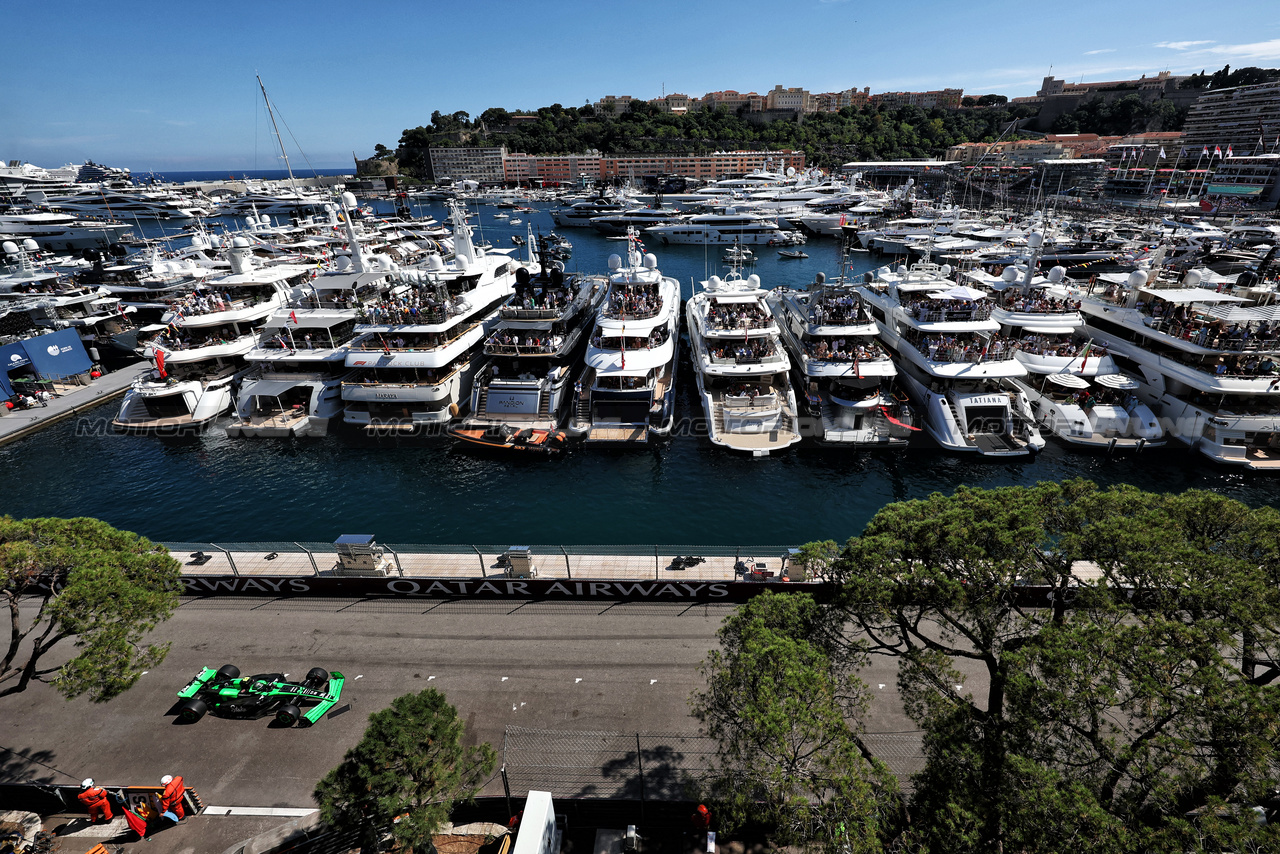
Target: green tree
<point>410,765</point>
<point>782,701</point>
<point>96,588</point>
<point>1135,711</point>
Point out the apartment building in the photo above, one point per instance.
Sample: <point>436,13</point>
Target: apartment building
<point>833,102</point>
<point>1246,118</point>
<point>945,98</point>
<point>675,103</point>
<point>613,105</point>
<point>485,165</point>
<point>704,167</point>
<point>732,101</point>
<point>793,98</point>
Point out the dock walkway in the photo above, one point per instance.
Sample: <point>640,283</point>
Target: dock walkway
<point>19,423</point>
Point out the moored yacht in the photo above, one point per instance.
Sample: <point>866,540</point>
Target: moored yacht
<point>1208,362</point>
<point>526,380</point>
<point>200,351</point>
<point>60,232</point>
<point>732,226</point>
<point>741,366</point>
<point>416,350</point>
<point>626,392</point>
<point>952,360</point>
<point>845,378</point>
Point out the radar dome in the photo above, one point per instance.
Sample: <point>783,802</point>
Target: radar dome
<point>715,282</point>
<point>1137,279</point>
<point>240,243</point>
<point>902,269</point>
<point>820,278</point>
<point>1192,279</point>
<point>753,280</point>
<point>1035,239</point>
<point>650,261</point>
<point>461,262</point>
<point>1057,274</point>
<point>349,199</point>
<point>344,263</point>
<point>30,245</point>
<point>615,261</point>
<point>1010,274</point>
<point>9,247</point>
<point>435,264</point>
<point>945,270</point>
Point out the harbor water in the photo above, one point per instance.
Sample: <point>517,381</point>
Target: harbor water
<point>682,491</point>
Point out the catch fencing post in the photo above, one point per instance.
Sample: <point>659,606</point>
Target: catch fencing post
<point>483,568</point>
<point>314,568</point>
<point>395,555</point>
<point>640,767</point>
<point>655,563</point>
<point>568,569</point>
<point>506,787</point>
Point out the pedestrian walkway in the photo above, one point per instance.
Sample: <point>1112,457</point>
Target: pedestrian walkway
<point>18,423</point>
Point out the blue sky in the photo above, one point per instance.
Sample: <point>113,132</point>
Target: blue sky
<point>170,86</point>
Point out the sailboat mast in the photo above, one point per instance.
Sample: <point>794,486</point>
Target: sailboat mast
<point>271,114</point>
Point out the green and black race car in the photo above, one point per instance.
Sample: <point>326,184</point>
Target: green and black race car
<point>226,693</point>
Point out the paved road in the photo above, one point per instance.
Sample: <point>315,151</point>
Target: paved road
<point>499,663</point>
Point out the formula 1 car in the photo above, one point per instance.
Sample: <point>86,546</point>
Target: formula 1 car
<point>226,693</point>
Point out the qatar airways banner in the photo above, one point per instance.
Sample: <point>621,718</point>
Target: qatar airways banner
<point>481,588</point>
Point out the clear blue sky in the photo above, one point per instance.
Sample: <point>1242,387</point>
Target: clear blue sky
<point>170,85</point>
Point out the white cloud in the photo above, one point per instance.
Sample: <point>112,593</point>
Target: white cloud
<point>1183,45</point>
<point>1099,50</point>
<point>1268,50</point>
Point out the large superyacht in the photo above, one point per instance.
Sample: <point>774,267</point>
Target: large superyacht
<point>1207,361</point>
<point>952,360</point>
<point>626,392</point>
<point>417,351</point>
<point>845,378</point>
<point>526,379</point>
<point>741,366</point>
<point>199,350</point>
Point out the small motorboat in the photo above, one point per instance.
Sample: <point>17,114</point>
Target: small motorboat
<point>502,216</point>
<point>791,253</point>
<point>737,253</point>
<point>504,437</point>
<point>515,221</point>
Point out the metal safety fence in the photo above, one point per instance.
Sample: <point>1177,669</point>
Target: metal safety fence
<point>658,766</point>
<point>488,560</point>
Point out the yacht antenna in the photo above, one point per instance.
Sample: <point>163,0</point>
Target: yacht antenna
<point>271,114</point>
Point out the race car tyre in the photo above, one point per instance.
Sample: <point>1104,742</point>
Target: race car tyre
<point>317,676</point>
<point>228,671</point>
<point>192,710</point>
<point>288,714</point>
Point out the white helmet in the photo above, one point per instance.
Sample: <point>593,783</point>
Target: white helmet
<point>86,783</point>
<point>166,780</point>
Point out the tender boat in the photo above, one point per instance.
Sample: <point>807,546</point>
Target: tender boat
<point>504,437</point>
<point>793,254</point>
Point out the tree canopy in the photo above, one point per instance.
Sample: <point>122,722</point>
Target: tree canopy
<point>95,588</point>
<point>1134,711</point>
<point>405,774</point>
<point>782,702</point>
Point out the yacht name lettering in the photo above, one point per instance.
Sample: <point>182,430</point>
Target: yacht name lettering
<point>387,395</point>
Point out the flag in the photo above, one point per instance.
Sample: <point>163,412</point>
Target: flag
<point>1217,151</point>
<point>1084,354</point>
<point>1229,151</point>
<point>885,411</point>
<point>1162,157</point>
<point>386,349</point>
<point>1205,153</point>
<point>160,363</point>
<point>293,315</point>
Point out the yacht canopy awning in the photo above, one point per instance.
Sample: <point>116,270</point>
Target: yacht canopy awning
<point>1117,381</point>
<point>1048,330</point>
<point>1188,295</point>
<point>1240,314</point>
<point>270,388</point>
<point>1068,380</point>
<point>726,299</point>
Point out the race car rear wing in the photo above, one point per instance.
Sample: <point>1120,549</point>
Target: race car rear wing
<point>314,714</point>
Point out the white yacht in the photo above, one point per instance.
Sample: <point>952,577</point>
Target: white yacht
<point>845,378</point>
<point>1206,362</point>
<point>271,200</point>
<point>582,213</point>
<point>60,232</point>
<point>142,204</point>
<point>526,380</point>
<point>1072,384</point>
<point>626,392</point>
<point>732,226</point>
<point>952,360</point>
<point>416,352</point>
<point>199,348</point>
<point>620,223</point>
<point>741,366</point>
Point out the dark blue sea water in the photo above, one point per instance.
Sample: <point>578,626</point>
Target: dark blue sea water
<point>684,491</point>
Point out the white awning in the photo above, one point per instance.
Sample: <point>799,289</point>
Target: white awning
<point>1116,381</point>
<point>727,299</point>
<point>1050,330</point>
<point>1189,295</point>
<point>269,388</point>
<point>1239,314</point>
<point>1068,380</point>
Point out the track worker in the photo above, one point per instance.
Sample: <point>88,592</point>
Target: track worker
<point>171,797</point>
<point>95,799</point>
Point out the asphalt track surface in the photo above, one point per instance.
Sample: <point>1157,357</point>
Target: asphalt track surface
<point>552,665</point>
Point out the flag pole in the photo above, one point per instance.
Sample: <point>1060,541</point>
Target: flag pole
<point>1191,181</point>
